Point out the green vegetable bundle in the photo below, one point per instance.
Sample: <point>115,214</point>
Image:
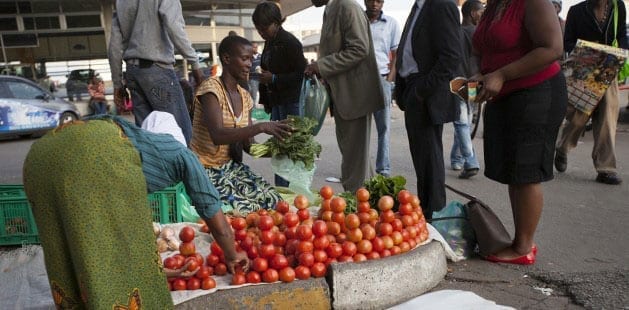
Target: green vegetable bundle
<point>380,185</point>
<point>350,201</point>
<point>299,146</point>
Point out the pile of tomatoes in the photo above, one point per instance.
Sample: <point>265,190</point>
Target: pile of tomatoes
<point>284,245</point>
<point>202,279</point>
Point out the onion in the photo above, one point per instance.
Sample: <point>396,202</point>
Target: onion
<point>167,233</point>
<point>173,244</point>
<point>162,245</point>
<point>156,229</point>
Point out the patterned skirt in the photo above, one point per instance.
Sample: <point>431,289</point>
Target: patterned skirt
<point>88,195</point>
<point>242,189</point>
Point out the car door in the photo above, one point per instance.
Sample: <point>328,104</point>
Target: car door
<point>31,106</point>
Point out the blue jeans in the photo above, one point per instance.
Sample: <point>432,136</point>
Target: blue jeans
<point>278,113</point>
<point>99,107</point>
<point>383,123</point>
<point>462,153</point>
<point>253,90</point>
<point>157,89</point>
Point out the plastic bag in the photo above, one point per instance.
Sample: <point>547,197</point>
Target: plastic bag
<point>296,173</point>
<point>453,225</point>
<point>314,101</point>
<point>188,212</point>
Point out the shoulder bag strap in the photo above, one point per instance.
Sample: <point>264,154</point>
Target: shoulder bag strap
<point>615,42</point>
<point>464,194</point>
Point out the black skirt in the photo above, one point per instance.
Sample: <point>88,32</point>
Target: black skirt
<point>520,130</point>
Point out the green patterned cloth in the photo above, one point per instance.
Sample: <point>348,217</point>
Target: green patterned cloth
<point>242,189</point>
<point>88,194</point>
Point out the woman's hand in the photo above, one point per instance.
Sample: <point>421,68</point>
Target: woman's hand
<point>492,84</point>
<point>239,262</point>
<point>279,129</point>
<point>312,68</point>
<point>266,77</point>
<point>181,272</point>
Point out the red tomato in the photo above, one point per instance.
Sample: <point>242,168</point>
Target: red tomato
<point>395,250</point>
<point>373,255</point>
<point>362,195</point>
<point>320,255</point>
<point>354,235</point>
<point>303,214</point>
<point>301,202</point>
<point>204,272</point>
<point>291,232</point>
<point>326,215</point>
<point>216,249</point>
<point>304,232</point>
<point>397,237</point>
<point>199,258</point>
<point>187,248</point>
<point>334,250</point>
<point>260,264</point>
<point>326,192</point>
<point>212,260</point>
<point>318,269</point>
<point>270,276</point>
<point>368,231</point>
<point>384,229</point>
<point>252,252</point>
<point>282,207</point>
<point>329,261</point>
<point>334,228</point>
<point>180,284</point>
<point>405,208</point>
<point>364,246</point>
<point>349,248</point>
<point>220,269</point>
<point>291,246</point>
<point>385,253</point>
<point>263,212</point>
<point>265,222</point>
<point>193,263</point>
<point>397,225</point>
<point>306,259</point>
<point>267,236</point>
<point>280,239</point>
<point>208,283</point>
<point>352,221</point>
<point>239,223</point>
<point>359,257</point>
<point>305,247</point>
<point>238,278</point>
<point>338,204</point>
<point>340,238</point>
<point>287,274</point>
<point>339,217</point>
<point>405,247</point>
<point>364,217</point>
<point>279,262</point>
<point>278,218</point>
<point>252,219</point>
<point>170,263</point>
<point>415,202</point>
<point>345,258</point>
<point>193,284</point>
<point>267,251</point>
<point>319,228</point>
<point>204,229</point>
<point>180,260</point>
<point>302,272</point>
<point>321,243</point>
<point>246,243</point>
<point>385,203</point>
<point>363,206</point>
<point>377,244</point>
<point>186,234</point>
<point>291,219</point>
<point>387,216</point>
<point>240,234</point>
<point>253,277</point>
<point>388,242</point>
<point>404,197</point>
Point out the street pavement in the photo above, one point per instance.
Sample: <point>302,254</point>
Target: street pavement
<point>583,259</point>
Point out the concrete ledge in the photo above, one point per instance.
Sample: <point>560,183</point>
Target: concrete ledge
<point>312,294</point>
<point>382,283</point>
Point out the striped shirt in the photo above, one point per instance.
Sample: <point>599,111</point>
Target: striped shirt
<point>165,162</point>
<point>211,155</point>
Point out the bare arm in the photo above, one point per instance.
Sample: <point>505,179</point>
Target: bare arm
<point>542,24</point>
<point>222,233</point>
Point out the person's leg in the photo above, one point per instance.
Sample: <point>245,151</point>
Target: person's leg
<point>571,131</point>
<point>352,137</point>
<point>604,122</point>
<point>383,123</point>
<point>463,138</point>
<point>456,160</point>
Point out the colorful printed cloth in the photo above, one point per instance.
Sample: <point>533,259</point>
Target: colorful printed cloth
<point>88,195</point>
<point>242,189</point>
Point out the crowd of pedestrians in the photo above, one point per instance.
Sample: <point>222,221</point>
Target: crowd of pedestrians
<point>512,48</point>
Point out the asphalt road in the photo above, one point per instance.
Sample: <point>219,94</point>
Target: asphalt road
<point>583,259</point>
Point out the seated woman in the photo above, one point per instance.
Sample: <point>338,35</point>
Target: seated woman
<point>222,128</point>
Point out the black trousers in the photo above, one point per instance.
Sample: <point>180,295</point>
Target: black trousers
<point>426,146</point>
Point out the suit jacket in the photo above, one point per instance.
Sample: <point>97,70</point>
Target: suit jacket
<point>437,49</point>
<point>284,57</point>
<point>347,61</point>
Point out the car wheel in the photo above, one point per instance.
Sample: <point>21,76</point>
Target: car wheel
<point>67,117</point>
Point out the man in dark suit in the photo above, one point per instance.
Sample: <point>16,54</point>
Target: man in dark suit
<point>428,57</point>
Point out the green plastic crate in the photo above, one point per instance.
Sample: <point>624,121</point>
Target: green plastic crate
<point>260,114</point>
<point>17,224</point>
<point>167,204</point>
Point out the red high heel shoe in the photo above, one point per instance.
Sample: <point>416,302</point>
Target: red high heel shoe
<point>534,249</point>
<point>528,259</point>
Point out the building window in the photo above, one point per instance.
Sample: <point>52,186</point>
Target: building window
<point>8,24</point>
<point>83,21</point>
<point>24,7</point>
<point>8,8</point>
<point>46,7</point>
<point>41,22</point>
<point>197,20</point>
<point>227,20</point>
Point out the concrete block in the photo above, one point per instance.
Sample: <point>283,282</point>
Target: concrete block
<point>312,294</point>
<point>381,283</point>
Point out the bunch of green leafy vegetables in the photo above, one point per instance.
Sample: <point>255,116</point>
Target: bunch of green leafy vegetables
<point>380,185</point>
<point>350,202</point>
<point>299,146</point>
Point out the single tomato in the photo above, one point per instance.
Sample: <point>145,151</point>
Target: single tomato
<point>287,274</point>
<point>302,272</point>
<point>186,234</point>
<point>170,263</point>
<point>306,259</point>
<point>238,278</point>
<point>304,232</point>
<point>239,223</point>
<point>220,269</point>
<point>362,195</point>
<point>282,206</point>
<point>338,204</point>
<point>334,250</point>
<point>326,192</point>
<point>265,222</point>
<point>187,248</point>
<point>260,264</point>
<point>318,270</point>
<point>208,283</point>
<point>303,214</point>
<point>193,284</point>
<point>301,202</point>
<point>349,248</point>
<point>320,255</point>
<point>253,277</point>
<point>404,197</point>
<point>352,221</point>
<point>319,228</point>
<point>321,243</point>
<point>279,262</point>
<point>291,219</point>
<point>385,203</point>
<point>204,272</point>
<point>270,275</point>
<point>180,284</point>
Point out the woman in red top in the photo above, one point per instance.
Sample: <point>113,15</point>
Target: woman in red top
<point>519,43</point>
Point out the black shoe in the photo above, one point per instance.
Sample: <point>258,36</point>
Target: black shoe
<point>608,178</point>
<point>561,162</point>
<point>468,173</point>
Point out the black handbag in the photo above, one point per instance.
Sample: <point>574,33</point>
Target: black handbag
<point>491,234</point>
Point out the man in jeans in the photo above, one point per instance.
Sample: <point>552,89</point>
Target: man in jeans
<point>385,34</point>
<point>254,74</point>
<point>145,34</point>
<point>462,155</point>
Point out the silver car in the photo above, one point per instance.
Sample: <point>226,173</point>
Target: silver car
<point>27,109</point>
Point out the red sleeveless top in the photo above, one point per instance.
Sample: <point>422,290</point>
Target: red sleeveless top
<point>502,41</point>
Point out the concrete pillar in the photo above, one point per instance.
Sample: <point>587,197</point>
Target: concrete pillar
<point>107,12</point>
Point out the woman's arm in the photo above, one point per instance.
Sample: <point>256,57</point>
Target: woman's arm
<point>542,24</point>
<point>213,121</point>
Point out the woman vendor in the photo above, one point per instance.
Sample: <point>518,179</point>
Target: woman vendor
<point>222,128</point>
<point>87,182</point>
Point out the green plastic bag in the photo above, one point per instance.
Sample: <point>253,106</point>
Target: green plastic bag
<point>453,224</point>
<point>296,173</point>
<point>188,212</point>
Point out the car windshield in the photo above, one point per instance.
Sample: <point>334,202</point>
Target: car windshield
<point>24,91</point>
